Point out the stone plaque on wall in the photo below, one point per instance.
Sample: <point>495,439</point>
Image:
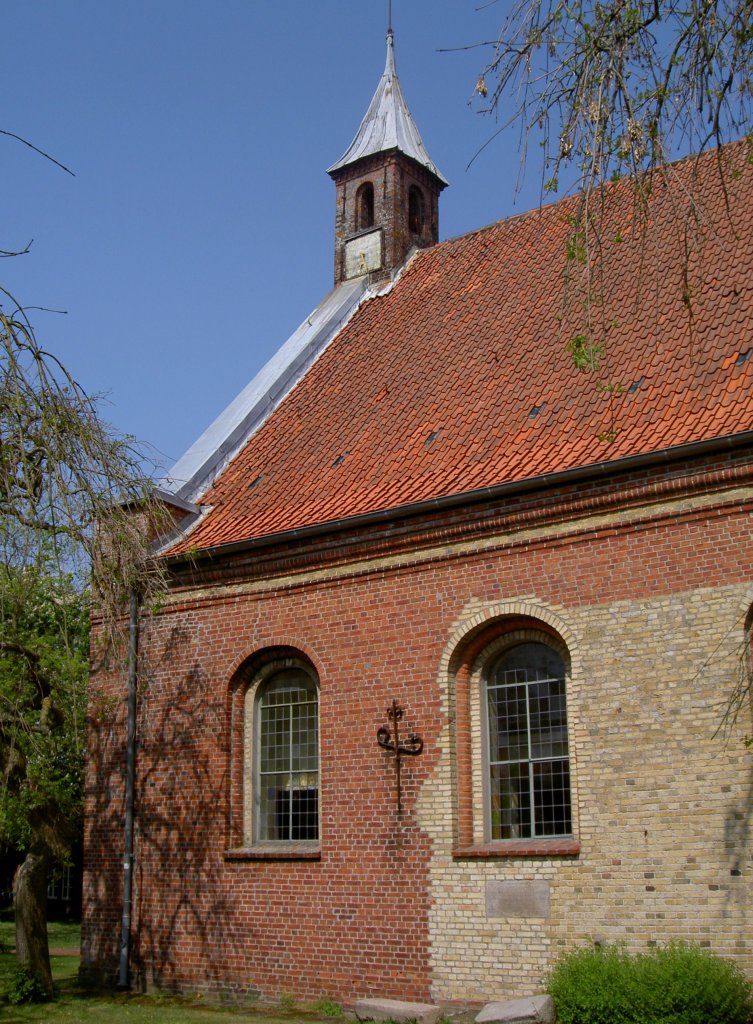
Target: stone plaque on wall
<point>363,254</point>
<point>517,899</point>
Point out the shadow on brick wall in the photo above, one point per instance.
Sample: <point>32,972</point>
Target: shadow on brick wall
<point>182,918</point>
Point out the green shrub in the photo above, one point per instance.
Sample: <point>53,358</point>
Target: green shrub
<point>327,1007</point>
<point>676,984</point>
<point>23,986</point>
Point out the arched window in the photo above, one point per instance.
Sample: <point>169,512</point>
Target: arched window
<point>528,760</point>
<point>286,762</point>
<point>365,206</point>
<point>416,210</point>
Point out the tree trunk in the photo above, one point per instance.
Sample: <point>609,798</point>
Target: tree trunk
<point>30,906</point>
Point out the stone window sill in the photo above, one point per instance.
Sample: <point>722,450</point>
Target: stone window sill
<point>276,851</point>
<point>518,848</point>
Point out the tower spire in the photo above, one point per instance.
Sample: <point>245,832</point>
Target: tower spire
<point>387,185</point>
<point>388,123</point>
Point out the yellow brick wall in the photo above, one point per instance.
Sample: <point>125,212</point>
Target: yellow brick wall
<point>662,803</point>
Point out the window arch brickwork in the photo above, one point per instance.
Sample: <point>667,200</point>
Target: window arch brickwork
<point>476,644</point>
<point>274,752</point>
<point>416,210</point>
<point>365,206</point>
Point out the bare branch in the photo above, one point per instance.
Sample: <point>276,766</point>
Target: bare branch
<point>19,138</point>
<point>68,483</point>
<point>17,252</point>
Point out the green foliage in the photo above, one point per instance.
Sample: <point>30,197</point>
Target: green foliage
<point>25,987</point>
<point>586,353</point>
<point>611,387</point>
<point>676,984</point>
<point>327,1007</point>
<point>60,933</point>
<point>576,249</point>
<point>44,629</point>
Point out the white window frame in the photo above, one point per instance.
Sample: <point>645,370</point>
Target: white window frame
<point>252,750</point>
<point>481,771</point>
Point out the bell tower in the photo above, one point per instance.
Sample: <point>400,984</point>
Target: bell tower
<point>386,187</point>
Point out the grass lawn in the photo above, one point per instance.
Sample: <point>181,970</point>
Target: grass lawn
<point>74,1005</point>
<point>118,1009</point>
<point>60,935</point>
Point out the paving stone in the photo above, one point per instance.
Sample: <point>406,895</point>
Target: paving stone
<point>394,1009</point>
<point>533,1010</point>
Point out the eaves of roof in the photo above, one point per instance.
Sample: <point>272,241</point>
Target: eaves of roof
<point>644,461</point>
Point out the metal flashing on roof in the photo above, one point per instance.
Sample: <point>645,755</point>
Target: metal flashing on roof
<point>168,497</point>
<point>193,472</point>
<point>388,124</point>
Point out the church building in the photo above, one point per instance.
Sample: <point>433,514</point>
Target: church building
<point>455,610</point>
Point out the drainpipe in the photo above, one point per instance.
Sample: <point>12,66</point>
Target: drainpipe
<point>125,932</point>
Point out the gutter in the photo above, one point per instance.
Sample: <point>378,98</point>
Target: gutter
<point>645,459</point>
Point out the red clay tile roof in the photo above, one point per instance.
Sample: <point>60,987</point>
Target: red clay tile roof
<point>458,378</point>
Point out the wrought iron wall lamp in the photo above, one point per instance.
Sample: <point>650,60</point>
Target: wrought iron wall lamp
<point>390,741</point>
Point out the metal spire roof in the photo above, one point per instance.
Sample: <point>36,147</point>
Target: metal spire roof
<point>388,124</point>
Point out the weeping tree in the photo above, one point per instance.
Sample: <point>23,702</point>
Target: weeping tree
<point>620,86</point>
<point>602,91</point>
<point>599,90</point>
<point>44,630</point>
<point>76,514</point>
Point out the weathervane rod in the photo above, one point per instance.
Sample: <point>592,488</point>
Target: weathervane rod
<point>389,17</point>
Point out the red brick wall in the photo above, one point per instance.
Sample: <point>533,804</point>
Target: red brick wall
<point>355,922</point>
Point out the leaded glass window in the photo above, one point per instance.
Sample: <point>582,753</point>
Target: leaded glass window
<point>529,769</point>
<point>287,775</point>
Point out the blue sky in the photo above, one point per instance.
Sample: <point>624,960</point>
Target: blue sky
<point>198,231</point>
